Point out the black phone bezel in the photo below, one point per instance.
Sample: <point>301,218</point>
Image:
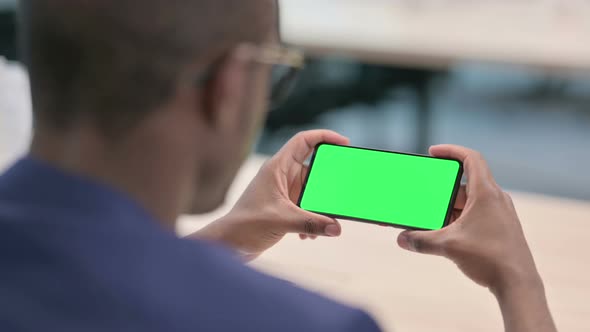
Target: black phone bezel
<point>382,223</point>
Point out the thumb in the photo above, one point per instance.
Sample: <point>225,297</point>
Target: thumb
<point>303,222</point>
<point>431,243</point>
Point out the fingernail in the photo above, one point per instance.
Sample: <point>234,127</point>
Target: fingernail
<point>402,241</point>
<point>405,242</point>
<point>332,230</point>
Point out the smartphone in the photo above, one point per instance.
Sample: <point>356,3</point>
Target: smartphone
<point>382,187</point>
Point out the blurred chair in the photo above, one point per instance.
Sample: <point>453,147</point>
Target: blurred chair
<point>15,112</point>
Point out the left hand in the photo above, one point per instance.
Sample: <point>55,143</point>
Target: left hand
<point>267,210</point>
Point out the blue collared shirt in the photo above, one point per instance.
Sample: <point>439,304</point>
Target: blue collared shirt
<point>78,256</point>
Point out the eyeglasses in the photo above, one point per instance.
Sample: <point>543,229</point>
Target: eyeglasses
<point>286,64</point>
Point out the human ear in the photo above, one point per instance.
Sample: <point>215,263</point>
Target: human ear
<point>225,93</point>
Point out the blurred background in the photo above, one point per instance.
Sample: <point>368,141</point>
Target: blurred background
<point>510,78</point>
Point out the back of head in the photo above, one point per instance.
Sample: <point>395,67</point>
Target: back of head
<point>118,93</point>
<point>113,61</point>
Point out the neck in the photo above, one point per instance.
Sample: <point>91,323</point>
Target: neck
<point>145,165</point>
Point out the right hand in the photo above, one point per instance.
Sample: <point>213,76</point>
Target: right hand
<point>485,238</point>
<point>267,210</point>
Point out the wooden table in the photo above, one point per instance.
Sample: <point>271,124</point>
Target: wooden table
<point>547,34</point>
<point>410,292</point>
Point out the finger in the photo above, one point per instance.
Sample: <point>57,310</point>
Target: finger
<point>310,224</point>
<point>456,215</point>
<point>295,190</point>
<point>475,165</point>
<point>302,145</point>
<point>461,199</point>
<point>306,236</point>
<point>431,243</point>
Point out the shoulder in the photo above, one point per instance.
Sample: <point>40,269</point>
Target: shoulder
<point>176,285</point>
<point>248,298</point>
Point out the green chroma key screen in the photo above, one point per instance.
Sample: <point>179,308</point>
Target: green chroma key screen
<point>409,191</point>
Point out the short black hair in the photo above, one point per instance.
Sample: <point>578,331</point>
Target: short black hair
<point>114,61</point>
